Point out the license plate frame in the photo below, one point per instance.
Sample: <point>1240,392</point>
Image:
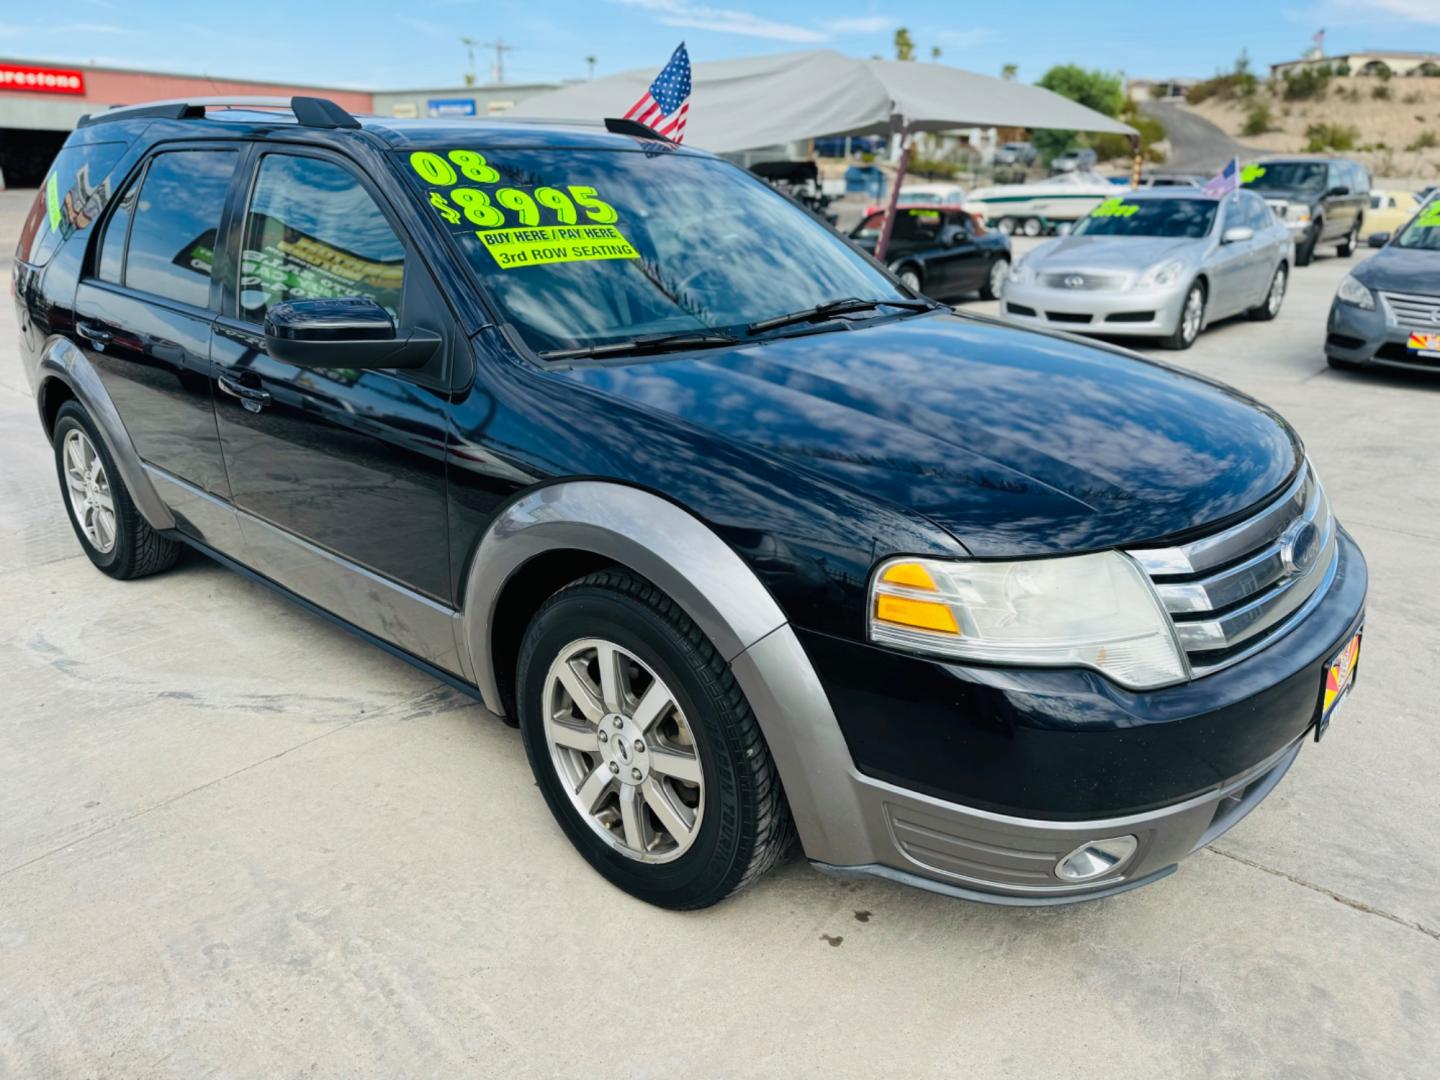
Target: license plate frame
<point>1338,681</point>
<point>1422,343</point>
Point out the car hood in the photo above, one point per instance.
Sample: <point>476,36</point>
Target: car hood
<point>1397,269</point>
<point>1113,253</point>
<point>1016,442</point>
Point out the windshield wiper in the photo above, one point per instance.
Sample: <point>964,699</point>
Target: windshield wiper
<point>836,307</point>
<point>638,346</point>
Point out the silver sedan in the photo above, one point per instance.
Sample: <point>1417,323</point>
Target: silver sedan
<point>1162,263</point>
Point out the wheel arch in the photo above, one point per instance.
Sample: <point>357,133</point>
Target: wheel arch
<point>558,533</point>
<point>555,534</point>
<point>65,373</point>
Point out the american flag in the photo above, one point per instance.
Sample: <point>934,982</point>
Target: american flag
<point>664,106</point>
<point>1224,182</point>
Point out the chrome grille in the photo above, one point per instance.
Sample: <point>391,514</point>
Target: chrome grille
<point>1413,311</point>
<point>1231,593</point>
<point>1083,282</point>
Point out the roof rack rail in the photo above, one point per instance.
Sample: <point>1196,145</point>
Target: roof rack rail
<point>308,111</point>
<point>624,126</point>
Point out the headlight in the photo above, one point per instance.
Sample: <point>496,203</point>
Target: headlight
<point>1352,292</point>
<point>1021,273</point>
<point>1096,611</point>
<point>1164,274</point>
<point>1297,212</point>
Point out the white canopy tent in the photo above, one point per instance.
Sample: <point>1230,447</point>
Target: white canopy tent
<point>761,101</point>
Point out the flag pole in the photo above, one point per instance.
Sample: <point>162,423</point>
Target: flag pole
<point>883,245</point>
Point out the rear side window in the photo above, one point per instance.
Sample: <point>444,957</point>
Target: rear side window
<point>171,251</point>
<point>75,190</point>
<point>313,232</point>
<point>109,265</point>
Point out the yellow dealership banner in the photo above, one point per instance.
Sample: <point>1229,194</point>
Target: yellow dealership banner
<point>539,245</point>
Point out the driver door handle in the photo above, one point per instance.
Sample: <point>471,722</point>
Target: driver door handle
<point>253,398</point>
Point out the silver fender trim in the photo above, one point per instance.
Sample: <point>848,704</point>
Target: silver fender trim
<point>62,360</point>
<point>634,528</point>
<point>699,571</point>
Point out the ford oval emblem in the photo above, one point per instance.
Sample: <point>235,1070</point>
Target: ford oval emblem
<point>1299,547</point>
<point>1074,281</point>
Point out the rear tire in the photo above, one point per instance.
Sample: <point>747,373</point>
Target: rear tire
<point>1033,226</point>
<point>718,777</point>
<point>1007,226</point>
<point>1268,308</point>
<point>110,529</point>
<point>995,279</point>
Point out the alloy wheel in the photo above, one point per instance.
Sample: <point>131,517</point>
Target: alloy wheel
<point>1190,317</point>
<point>623,750</point>
<point>88,488</point>
<point>1277,292</point>
<point>910,280</point>
<point>999,271</point>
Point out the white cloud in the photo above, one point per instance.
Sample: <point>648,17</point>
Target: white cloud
<point>1420,11</point>
<point>864,24</point>
<point>725,21</point>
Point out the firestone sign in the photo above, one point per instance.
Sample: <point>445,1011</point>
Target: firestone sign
<point>41,80</point>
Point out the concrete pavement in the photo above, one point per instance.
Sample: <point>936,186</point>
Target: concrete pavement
<point>236,842</point>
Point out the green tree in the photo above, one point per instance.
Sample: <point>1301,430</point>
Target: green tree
<point>934,52</point>
<point>1009,71</point>
<point>904,44</point>
<point>1098,90</point>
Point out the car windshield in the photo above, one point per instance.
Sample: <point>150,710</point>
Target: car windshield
<point>1286,176</point>
<point>587,247</point>
<point>1423,232</point>
<point>1149,217</point>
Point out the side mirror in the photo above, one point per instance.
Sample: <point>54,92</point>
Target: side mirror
<point>354,332</point>
<point>1337,190</point>
<point>1238,235</point>
<point>1378,239</point>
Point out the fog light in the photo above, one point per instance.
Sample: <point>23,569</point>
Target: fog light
<point>1096,858</point>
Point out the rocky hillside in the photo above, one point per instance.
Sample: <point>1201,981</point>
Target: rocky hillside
<point>1392,125</point>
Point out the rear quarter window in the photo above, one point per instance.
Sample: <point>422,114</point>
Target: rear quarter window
<point>75,190</point>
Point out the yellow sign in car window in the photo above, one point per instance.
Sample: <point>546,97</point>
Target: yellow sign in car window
<point>1429,217</point>
<point>1115,207</point>
<point>512,219</point>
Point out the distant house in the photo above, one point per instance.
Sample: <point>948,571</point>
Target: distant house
<point>1365,62</point>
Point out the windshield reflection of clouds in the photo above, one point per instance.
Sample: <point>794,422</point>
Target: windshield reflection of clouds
<point>718,249</point>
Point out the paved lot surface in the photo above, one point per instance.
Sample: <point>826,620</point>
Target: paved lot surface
<point>235,842</point>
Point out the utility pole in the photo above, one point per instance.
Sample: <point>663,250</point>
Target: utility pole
<point>590,62</point>
<point>500,50</point>
<point>469,43</point>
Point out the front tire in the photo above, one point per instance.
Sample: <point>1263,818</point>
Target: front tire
<point>110,529</point>
<point>1033,226</point>
<point>644,746</point>
<point>1192,318</point>
<point>909,277</point>
<point>1305,250</point>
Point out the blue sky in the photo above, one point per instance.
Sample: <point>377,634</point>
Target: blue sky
<point>416,43</point>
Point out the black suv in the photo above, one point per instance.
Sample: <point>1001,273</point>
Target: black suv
<point>743,535</point>
<point>1321,200</point>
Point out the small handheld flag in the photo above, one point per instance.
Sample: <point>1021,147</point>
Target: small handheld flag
<point>1224,182</point>
<point>664,106</point>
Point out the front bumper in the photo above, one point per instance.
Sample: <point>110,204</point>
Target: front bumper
<point>1357,336</point>
<point>977,781</point>
<point>1134,312</point>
